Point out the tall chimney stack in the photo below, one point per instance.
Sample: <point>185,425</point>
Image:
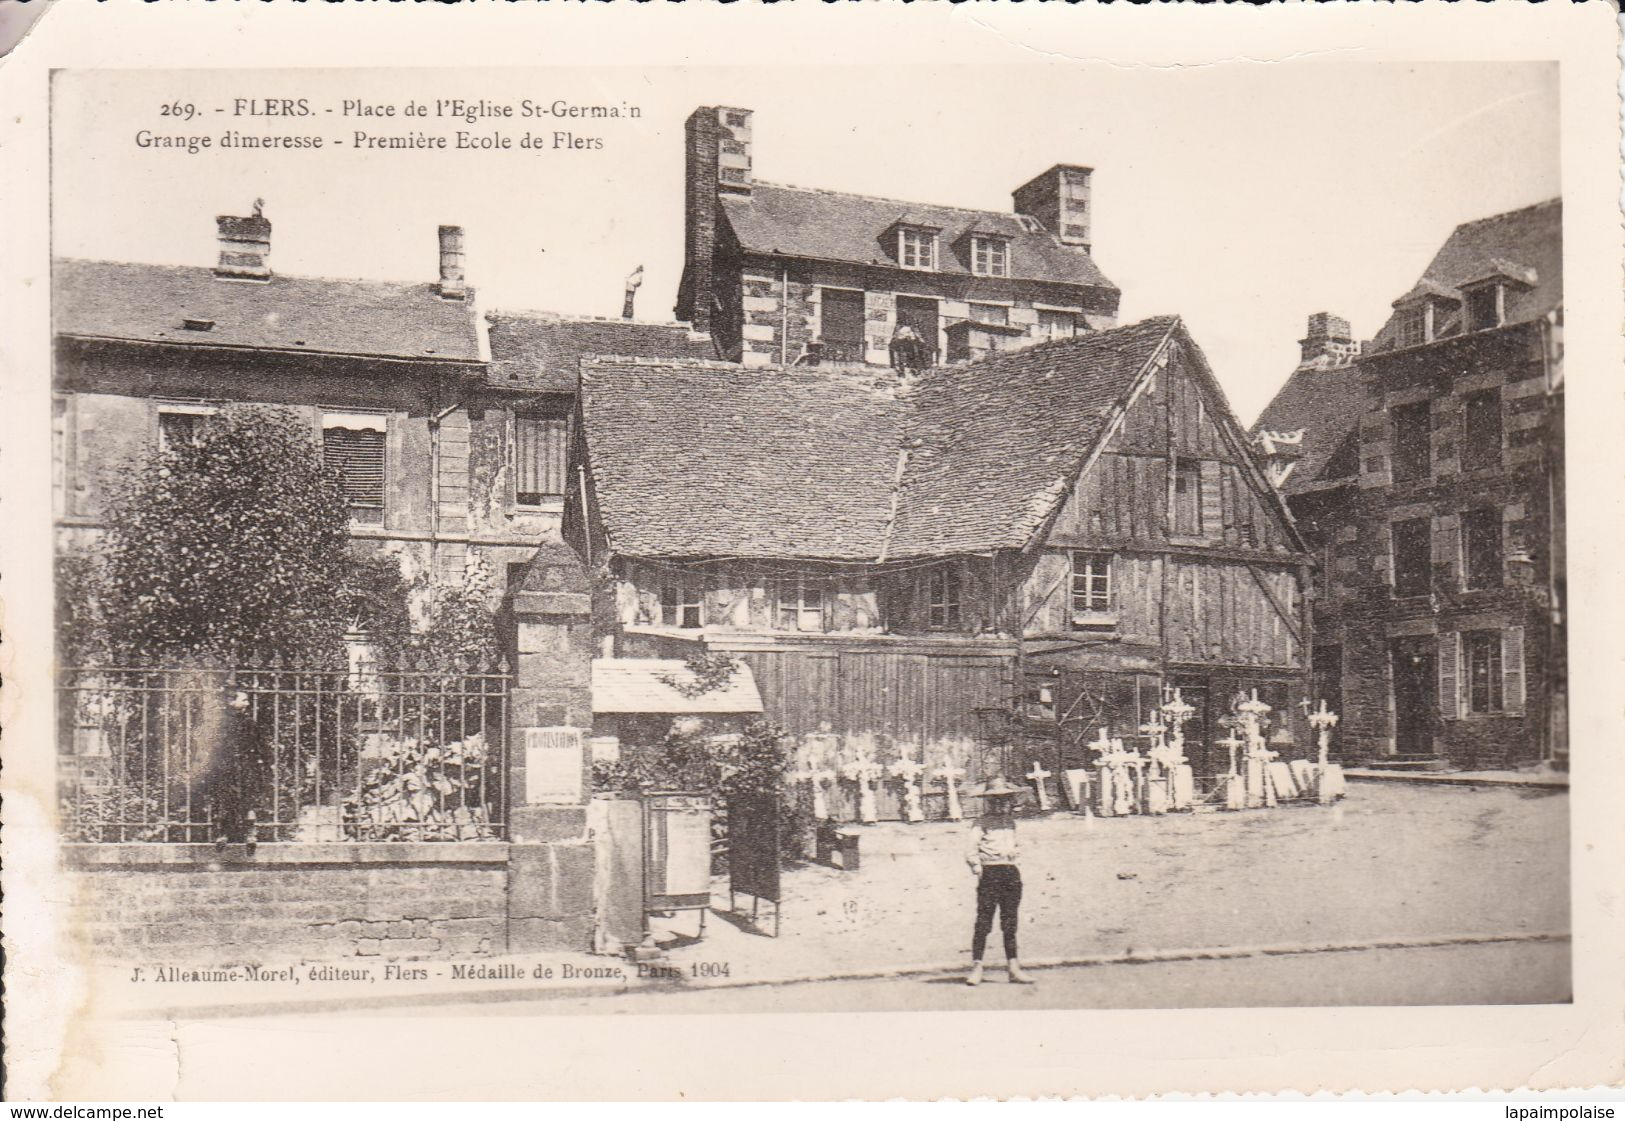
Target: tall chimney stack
<point>1059,201</point>
<point>633,283</point>
<point>244,245</point>
<point>453,286</point>
<point>717,162</point>
<point>1328,336</point>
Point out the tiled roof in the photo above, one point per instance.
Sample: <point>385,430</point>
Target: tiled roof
<point>1326,402</point>
<point>150,303</point>
<point>649,685</point>
<point>831,226</point>
<point>714,459</point>
<point>706,459</point>
<point>543,351</point>
<point>995,444</point>
<point>1525,245</point>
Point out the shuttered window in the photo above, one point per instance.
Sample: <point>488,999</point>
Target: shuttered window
<point>1512,672</point>
<point>1412,541</point>
<point>1481,544</point>
<point>943,587</point>
<point>353,448</point>
<point>1481,431</point>
<point>840,325</point>
<point>1484,666</point>
<point>1412,451</point>
<point>540,445</point>
<point>1450,675</point>
<point>1188,498</point>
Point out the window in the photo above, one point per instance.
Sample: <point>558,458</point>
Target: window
<point>353,448</point>
<point>841,324</point>
<point>1410,327</point>
<point>1057,324</point>
<point>682,603</point>
<point>1187,498</point>
<point>540,446</point>
<point>1483,307</point>
<point>800,605</point>
<point>1412,454</point>
<point>181,425</point>
<point>1039,701</point>
<point>916,248</point>
<point>1481,431</point>
<point>990,313</point>
<point>1413,556</point>
<point>990,256</point>
<point>1481,548</point>
<point>1091,589</point>
<point>943,593</point>
<point>1481,650</point>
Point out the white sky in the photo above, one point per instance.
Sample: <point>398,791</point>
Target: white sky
<point>1242,197</point>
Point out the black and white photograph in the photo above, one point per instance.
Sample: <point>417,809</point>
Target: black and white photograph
<point>556,542</point>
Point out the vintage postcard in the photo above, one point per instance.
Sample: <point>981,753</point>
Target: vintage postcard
<point>1028,553</point>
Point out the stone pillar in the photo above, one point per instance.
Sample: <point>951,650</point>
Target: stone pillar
<point>550,861</point>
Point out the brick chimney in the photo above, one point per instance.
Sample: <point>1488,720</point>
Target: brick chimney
<point>244,245</point>
<point>1059,201</point>
<point>633,283</point>
<point>1328,336</point>
<point>453,285</point>
<point>717,162</point>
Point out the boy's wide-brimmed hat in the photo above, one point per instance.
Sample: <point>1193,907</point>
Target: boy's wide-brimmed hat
<point>998,785</point>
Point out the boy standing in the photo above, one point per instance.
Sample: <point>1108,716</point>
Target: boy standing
<point>992,859</point>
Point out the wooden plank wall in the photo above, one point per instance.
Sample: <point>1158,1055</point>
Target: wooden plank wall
<point>926,700</point>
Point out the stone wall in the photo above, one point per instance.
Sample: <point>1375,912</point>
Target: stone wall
<point>292,901</point>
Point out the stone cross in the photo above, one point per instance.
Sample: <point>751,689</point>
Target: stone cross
<point>1038,774</point>
<point>950,776</point>
<point>907,771</point>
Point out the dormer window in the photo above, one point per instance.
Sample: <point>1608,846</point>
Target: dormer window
<point>916,248</point>
<point>1411,327</point>
<point>1485,306</point>
<point>989,256</point>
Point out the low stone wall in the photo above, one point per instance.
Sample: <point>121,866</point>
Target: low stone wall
<point>401,901</point>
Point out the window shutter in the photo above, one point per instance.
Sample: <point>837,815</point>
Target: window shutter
<point>539,448</point>
<point>1512,676</point>
<point>1447,557</point>
<point>1450,675</point>
<point>357,455</point>
<point>1212,499</point>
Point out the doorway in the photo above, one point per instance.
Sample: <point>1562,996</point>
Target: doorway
<point>921,314</point>
<point>1415,676</point>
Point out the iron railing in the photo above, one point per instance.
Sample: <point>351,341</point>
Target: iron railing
<point>160,753</point>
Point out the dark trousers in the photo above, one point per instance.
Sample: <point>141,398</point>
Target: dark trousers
<point>998,888</point>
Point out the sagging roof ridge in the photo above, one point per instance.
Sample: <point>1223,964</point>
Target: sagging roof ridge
<point>547,316</point>
<point>248,281</point>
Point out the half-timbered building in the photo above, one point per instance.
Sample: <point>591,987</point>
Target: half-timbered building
<point>1022,549</point>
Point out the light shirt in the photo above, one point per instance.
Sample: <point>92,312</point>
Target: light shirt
<point>993,841</point>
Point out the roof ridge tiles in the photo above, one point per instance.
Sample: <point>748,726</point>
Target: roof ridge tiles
<point>979,210</point>
<point>275,276</point>
<point>546,316</point>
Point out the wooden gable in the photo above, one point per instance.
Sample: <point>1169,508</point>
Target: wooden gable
<point>1177,470</point>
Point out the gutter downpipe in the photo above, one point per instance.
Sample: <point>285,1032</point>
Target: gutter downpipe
<point>434,485</point>
<point>784,315</point>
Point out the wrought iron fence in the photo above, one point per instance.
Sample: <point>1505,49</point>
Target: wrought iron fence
<point>273,753</point>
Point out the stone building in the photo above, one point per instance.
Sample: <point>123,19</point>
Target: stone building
<point>450,458</point>
<point>1052,535</point>
<point>784,275</point>
<point>1426,474</point>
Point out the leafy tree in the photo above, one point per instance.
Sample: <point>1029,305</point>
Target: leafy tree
<point>230,545</point>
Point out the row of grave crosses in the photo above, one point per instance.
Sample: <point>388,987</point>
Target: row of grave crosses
<point>1124,782</point>
<point>822,768</point>
<point>1161,780</point>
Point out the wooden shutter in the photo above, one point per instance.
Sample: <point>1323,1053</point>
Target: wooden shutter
<point>539,452</point>
<point>357,455</point>
<point>1512,675</point>
<point>1450,675</point>
<point>841,323</point>
<point>1212,499</point>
